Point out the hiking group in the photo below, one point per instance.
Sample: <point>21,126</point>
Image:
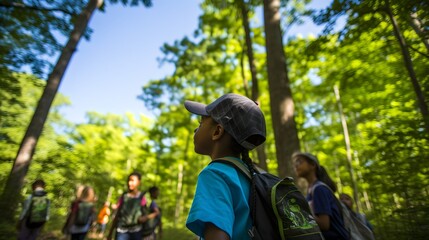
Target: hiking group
<point>234,199</point>
<point>133,217</point>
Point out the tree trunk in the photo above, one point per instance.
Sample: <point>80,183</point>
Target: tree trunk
<point>410,68</point>
<point>281,101</point>
<point>262,156</point>
<point>15,181</point>
<point>348,149</point>
<point>180,180</point>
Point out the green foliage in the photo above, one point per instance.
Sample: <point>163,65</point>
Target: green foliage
<point>19,94</point>
<point>386,127</point>
<point>33,32</point>
<point>387,135</point>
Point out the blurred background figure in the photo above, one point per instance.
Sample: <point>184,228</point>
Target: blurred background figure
<point>320,196</point>
<point>149,228</point>
<point>82,214</point>
<point>348,201</point>
<point>35,212</point>
<point>103,219</point>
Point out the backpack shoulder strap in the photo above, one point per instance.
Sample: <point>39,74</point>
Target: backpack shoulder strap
<point>337,201</point>
<point>236,164</point>
<point>318,184</point>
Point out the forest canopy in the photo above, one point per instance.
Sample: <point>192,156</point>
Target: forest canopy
<point>359,103</point>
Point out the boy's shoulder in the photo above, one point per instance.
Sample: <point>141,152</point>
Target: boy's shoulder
<point>219,166</point>
<point>227,172</point>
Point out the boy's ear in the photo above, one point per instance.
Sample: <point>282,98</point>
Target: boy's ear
<point>218,132</point>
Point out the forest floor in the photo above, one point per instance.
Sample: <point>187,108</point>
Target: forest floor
<point>168,234</point>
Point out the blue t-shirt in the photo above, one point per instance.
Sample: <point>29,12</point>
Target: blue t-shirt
<point>221,198</point>
<point>323,202</point>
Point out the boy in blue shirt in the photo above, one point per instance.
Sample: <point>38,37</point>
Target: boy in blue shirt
<point>230,126</point>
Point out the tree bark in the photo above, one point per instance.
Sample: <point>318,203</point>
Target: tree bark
<point>15,181</point>
<point>260,150</point>
<point>348,149</point>
<point>409,66</point>
<point>281,101</point>
<point>180,179</point>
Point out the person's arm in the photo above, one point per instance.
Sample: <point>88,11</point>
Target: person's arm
<point>323,221</point>
<point>212,232</point>
<point>144,218</point>
<point>322,206</point>
<point>212,204</point>
<point>154,214</point>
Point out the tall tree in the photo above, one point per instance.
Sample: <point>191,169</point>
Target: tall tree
<point>262,156</point>
<point>281,100</point>
<point>421,99</point>
<point>29,142</point>
<point>27,147</point>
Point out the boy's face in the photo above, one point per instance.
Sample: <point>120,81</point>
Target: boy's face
<point>133,183</point>
<point>203,136</point>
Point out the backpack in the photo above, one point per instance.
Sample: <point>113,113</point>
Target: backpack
<point>38,211</point>
<point>84,213</point>
<point>278,209</point>
<point>356,228</point>
<point>130,211</point>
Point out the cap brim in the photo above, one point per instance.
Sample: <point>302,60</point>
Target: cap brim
<point>196,108</point>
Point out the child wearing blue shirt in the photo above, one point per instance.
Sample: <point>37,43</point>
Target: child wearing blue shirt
<point>230,126</point>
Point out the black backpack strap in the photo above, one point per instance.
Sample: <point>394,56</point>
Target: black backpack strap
<point>236,164</point>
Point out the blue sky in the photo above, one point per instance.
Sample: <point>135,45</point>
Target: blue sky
<point>107,73</point>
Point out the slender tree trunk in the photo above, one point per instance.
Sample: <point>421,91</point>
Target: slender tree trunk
<point>26,150</point>
<point>249,50</point>
<point>410,68</point>
<point>260,150</point>
<point>418,27</point>
<point>243,74</point>
<point>282,106</point>
<point>180,178</point>
<point>348,149</point>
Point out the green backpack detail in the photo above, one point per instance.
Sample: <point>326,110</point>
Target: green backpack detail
<point>38,211</point>
<point>130,211</point>
<point>84,213</point>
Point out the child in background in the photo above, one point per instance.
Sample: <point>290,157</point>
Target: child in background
<point>321,196</point>
<point>35,212</point>
<point>131,212</point>
<point>103,219</point>
<point>229,127</point>
<point>151,225</point>
<point>82,214</point>
<point>348,201</point>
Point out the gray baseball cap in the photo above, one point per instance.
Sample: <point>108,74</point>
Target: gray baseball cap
<point>241,117</point>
